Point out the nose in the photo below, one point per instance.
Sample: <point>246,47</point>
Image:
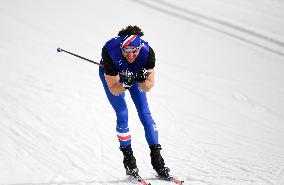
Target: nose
<point>130,54</point>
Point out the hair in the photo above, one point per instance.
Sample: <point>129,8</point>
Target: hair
<point>131,30</point>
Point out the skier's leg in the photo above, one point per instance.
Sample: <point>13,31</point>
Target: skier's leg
<point>140,100</point>
<point>119,105</point>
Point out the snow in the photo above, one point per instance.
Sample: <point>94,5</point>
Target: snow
<point>218,98</point>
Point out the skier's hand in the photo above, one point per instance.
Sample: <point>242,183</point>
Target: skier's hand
<point>129,79</point>
<point>141,75</point>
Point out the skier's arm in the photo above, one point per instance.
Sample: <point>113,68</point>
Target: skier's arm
<point>114,85</point>
<point>111,74</point>
<point>149,82</point>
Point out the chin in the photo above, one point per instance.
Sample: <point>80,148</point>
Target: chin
<point>131,61</point>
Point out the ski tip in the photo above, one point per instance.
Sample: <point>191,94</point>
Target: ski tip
<point>177,181</point>
<point>59,49</point>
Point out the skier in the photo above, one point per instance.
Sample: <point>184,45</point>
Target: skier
<point>128,64</point>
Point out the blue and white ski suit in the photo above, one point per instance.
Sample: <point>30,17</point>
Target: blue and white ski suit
<point>138,96</point>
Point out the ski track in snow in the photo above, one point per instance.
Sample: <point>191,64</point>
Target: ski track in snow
<point>219,113</point>
<point>227,28</point>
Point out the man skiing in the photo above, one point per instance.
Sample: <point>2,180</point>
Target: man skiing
<point>128,65</point>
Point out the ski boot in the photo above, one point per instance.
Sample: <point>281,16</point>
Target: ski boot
<point>129,161</point>
<point>158,163</point>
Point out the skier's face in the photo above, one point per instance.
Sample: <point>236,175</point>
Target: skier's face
<point>130,53</point>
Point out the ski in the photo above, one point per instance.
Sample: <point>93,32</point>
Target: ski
<point>176,181</point>
<point>172,179</point>
<point>139,179</point>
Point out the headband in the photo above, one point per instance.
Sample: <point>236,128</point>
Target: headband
<point>130,40</point>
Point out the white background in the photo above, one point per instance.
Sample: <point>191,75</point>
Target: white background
<point>218,98</point>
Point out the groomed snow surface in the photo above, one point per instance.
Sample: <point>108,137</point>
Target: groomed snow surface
<point>218,99</point>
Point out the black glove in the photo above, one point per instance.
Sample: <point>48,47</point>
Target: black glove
<point>129,79</point>
<point>141,75</point>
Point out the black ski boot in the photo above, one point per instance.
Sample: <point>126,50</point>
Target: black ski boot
<point>158,163</point>
<point>129,161</point>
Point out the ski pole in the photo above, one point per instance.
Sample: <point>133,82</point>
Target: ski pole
<point>60,50</point>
